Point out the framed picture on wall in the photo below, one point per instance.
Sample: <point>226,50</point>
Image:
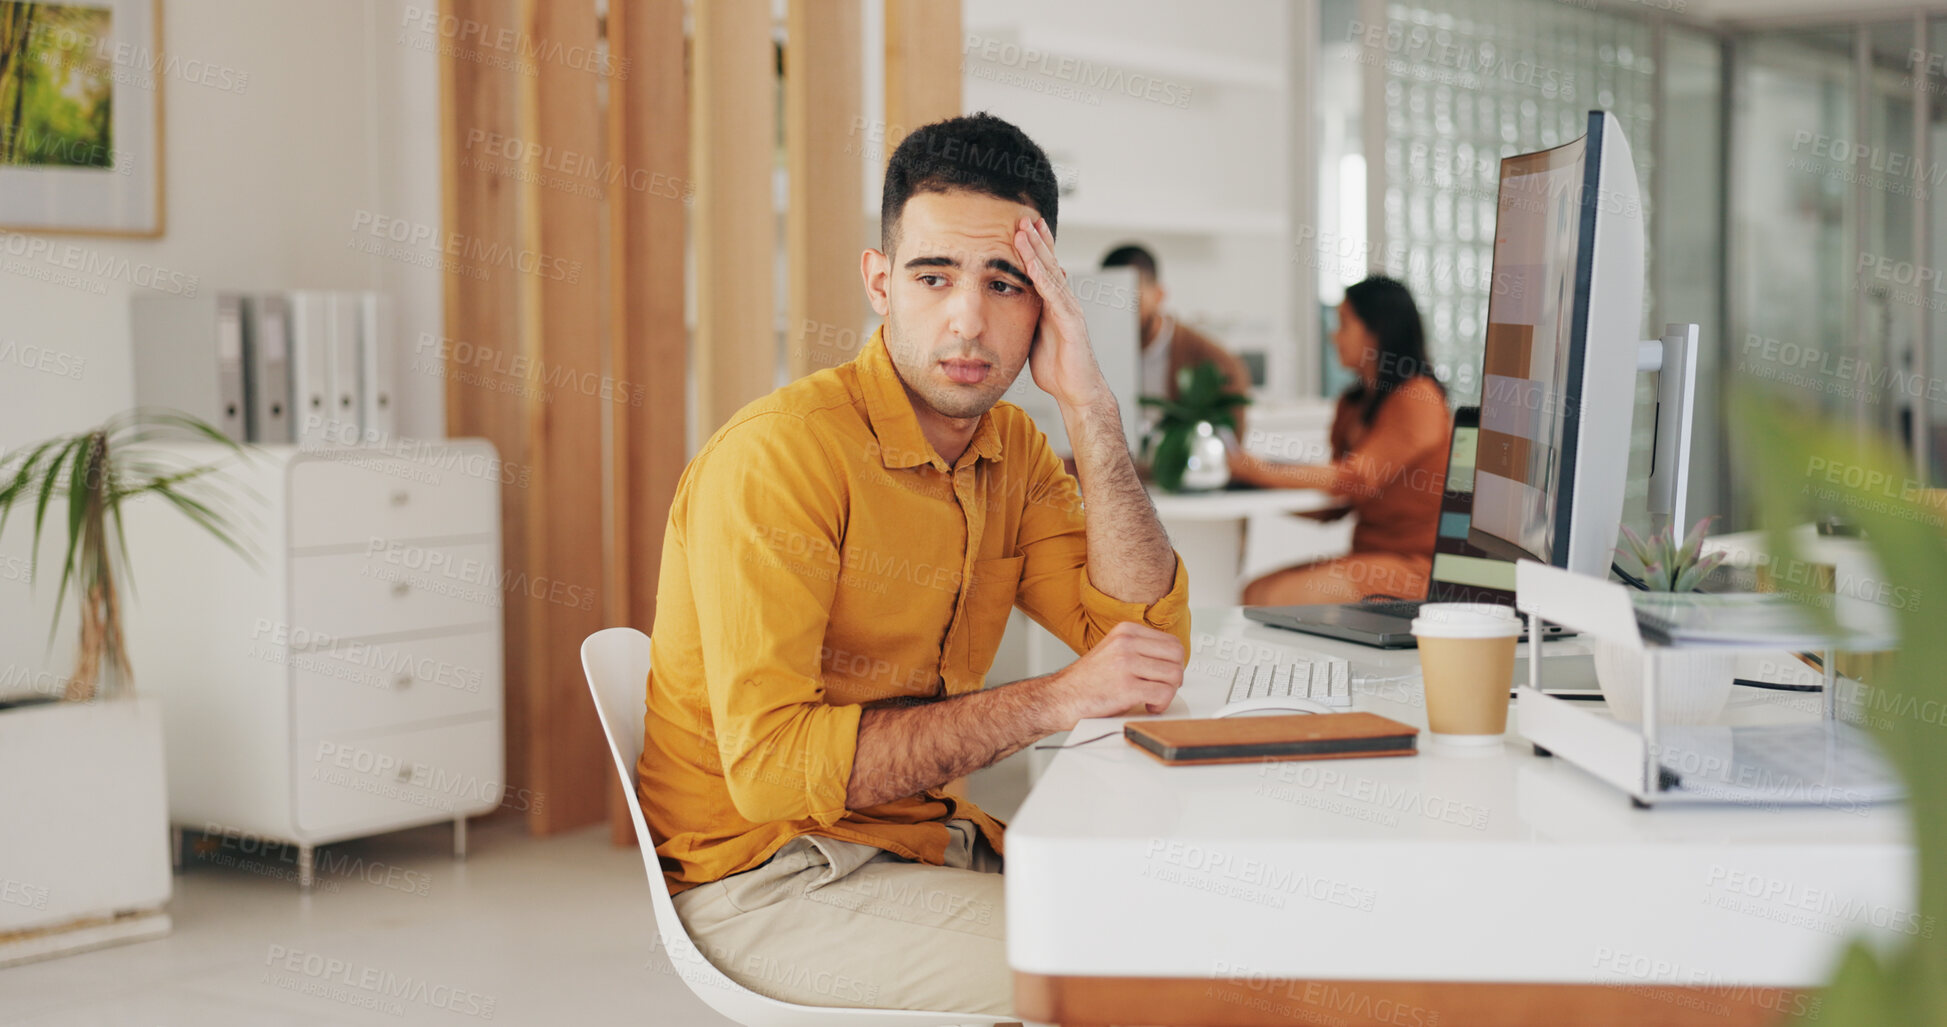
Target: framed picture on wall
<point>81,116</point>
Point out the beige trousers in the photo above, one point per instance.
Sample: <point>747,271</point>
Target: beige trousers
<point>834,923</point>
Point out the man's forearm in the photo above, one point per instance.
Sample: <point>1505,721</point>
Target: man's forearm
<point>904,750</point>
<point>1129,555</point>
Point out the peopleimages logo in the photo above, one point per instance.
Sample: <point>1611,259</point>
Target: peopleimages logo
<point>368,986</point>
<point>1422,54</point>
<point>1076,71</point>
<point>134,65</point>
<point>513,43</point>
<point>55,148</point>
<point>576,165</point>
<point>84,260</point>
<point>421,243</point>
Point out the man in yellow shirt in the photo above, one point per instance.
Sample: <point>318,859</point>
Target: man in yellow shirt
<point>838,569</point>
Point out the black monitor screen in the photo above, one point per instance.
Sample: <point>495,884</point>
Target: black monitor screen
<point>1462,572</point>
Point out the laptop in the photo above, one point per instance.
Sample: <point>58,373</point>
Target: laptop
<point>1462,573</point>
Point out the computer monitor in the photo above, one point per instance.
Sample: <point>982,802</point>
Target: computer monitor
<point>1558,375</point>
<point>1462,572</point>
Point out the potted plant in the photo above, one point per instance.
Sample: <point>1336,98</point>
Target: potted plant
<point>1693,685</point>
<point>1188,454</point>
<point>86,860</point>
<point>1877,981</point>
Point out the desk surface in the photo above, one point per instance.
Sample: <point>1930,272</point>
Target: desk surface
<point>1484,864</point>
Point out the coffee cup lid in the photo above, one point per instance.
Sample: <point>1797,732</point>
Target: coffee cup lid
<point>1466,620</point>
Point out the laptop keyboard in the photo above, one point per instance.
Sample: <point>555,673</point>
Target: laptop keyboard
<point>1407,609</point>
<point>1325,681</point>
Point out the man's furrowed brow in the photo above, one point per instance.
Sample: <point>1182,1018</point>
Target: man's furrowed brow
<point>993,264</point>
<point>997,264</point>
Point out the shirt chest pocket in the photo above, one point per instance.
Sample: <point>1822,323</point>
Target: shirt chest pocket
<point>989,599</point>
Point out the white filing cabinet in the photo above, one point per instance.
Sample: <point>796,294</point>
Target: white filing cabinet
<point>349,683</point>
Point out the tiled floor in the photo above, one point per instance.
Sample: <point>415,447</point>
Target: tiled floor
<point>524,931</point>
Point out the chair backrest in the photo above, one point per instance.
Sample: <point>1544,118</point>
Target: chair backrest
<point>616,661</point>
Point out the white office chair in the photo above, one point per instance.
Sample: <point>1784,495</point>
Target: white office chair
<point>616,661</point>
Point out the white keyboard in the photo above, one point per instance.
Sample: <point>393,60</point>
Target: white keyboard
<point>1326,680</point>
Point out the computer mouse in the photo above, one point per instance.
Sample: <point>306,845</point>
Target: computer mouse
<point>1274,704</point>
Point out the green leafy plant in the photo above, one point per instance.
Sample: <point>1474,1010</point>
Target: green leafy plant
<point>1790,456</point>
<point>1201,397</point>
<point>97,471</point>
<point>1669,565</point>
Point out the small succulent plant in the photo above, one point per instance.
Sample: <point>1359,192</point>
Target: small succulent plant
<point>1669,565</point>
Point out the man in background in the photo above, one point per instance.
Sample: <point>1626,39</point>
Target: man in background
<point>1169,346</point>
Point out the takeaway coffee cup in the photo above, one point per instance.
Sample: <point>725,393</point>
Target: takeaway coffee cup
<point>1467,660</point>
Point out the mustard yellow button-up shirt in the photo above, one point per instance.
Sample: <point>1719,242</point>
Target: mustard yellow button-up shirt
<point>821,555</point>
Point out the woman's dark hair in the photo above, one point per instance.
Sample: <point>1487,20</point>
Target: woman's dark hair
<point>1387,310</point>
<point>980,153</point>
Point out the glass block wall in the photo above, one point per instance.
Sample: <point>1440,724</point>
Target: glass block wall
<point>1468,82</point>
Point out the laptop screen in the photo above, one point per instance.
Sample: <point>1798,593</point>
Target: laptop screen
<point>1463,573</point>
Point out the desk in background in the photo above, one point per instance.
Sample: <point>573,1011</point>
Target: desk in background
<point>1453,887</point>
<point>1222,534</point>
<point>1209,530</point>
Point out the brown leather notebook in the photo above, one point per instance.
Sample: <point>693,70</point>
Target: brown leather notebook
<point>1301,736</point>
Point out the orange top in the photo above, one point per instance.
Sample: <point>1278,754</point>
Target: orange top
<point>1394,469</point>
<point>820,555</point>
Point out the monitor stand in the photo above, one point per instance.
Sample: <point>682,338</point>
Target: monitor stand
<point>1673,359</point>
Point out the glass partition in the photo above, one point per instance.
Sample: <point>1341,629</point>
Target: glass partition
<point>1469,82</point>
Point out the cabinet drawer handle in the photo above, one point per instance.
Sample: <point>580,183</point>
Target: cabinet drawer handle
<point>400,588</point>
<point>400,497</point>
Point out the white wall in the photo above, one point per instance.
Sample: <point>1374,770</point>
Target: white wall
<point>338,114</point>
<point>1193,167</point>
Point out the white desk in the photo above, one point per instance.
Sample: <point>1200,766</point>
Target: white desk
<point>1476,885</point>
<point>1208,531</point>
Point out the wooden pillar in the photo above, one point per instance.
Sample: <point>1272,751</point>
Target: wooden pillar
<point>564,328</point>
<point>825,213</point>
<point>648,133</point>
<point>734,137</point>
<point>526,287</point>
<point>482,313</point>
<point>924,39</point>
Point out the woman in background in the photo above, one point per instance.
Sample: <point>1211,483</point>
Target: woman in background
<point>1389,452</point>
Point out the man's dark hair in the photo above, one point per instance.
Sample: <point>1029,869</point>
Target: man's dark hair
<point>980,153</point>
<point>1132,255</point>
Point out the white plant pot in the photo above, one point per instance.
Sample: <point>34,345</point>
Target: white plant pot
<point>1209,464</point>
<point>84,854</point>
<point>1693,685</point>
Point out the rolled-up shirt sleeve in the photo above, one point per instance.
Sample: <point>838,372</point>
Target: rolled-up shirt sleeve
<point>765,526</point>
<point>1055,588</point>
